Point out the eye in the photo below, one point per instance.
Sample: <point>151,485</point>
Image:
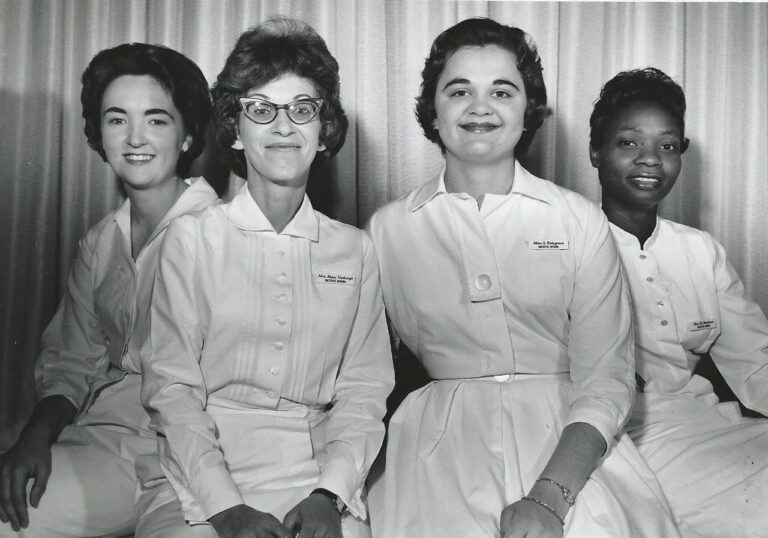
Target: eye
<point>502,94</point>
<point>669,147</point>
<point>259,108</point>
<point>158,122</point>
<point>115,120</point>
<point>626,143</point>
<point>459,93</point>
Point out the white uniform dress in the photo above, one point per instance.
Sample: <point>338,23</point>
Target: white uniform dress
<point>90,355</point>
<point>518,309</point>
<point>268,364</point>
<point>711,462</point>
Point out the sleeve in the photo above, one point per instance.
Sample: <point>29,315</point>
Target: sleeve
<point>74,347</point>
<point>740,352</point>
<point>173,387</point>
<point>354,429</point>
<point>601,344</point>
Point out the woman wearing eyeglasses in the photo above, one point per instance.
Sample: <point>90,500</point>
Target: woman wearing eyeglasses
<point>268,365</point>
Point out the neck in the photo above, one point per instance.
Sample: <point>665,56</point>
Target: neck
<point>479,179</point>
<point>279,203</point>
<point>148,207</point>
<point>639,221</point>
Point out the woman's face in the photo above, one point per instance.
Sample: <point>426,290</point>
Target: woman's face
<point>142,131</point>
<point>480,104</point>
<point>281,151</point>
<point>639,159</point>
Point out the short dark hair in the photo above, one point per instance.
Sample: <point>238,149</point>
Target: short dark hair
<point>179,75</point>
<point>263,53</point>
<point>644,85</point>
<point>482,32</point>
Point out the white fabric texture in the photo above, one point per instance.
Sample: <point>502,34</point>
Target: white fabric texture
<point>711,462</point>
<point>527,286</point>
<point>248,323</point>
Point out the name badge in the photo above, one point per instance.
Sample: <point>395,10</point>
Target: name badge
<point>702,325</point>
<point>546,244</point>
<point>335,278</point>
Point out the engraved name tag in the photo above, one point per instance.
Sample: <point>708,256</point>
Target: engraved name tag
<point>702,325</point>
<point>335,278</point>
<point>546,244</point>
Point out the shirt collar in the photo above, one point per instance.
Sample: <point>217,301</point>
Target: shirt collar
<point>623,237</point>
<point>525,184</point>
<point>246,214</point>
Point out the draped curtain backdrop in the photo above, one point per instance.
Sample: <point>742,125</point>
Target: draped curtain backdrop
<point>54,187</point>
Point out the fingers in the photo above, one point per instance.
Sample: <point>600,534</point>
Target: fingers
<point>292,520</point>
<point>8,486</point>
<point>19,478</point>
<point>42,473</point>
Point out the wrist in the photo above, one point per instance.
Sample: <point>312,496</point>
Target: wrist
<point>551,497</point>
<point>337,503</point>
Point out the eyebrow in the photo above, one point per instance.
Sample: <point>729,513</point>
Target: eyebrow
<point>265,98</point>
<point>497,82</point>
<point>673,132</point>
<point>148,112</point>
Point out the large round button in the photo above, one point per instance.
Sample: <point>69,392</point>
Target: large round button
<point>274,371</point>
<point>281,277</point>
<point>281,321</point>
<point>483,282</point>
<point>649,279</point>
<point>664,323</point>
<point>278,345</point>
<point>660,303</point>
<point>281,298</point>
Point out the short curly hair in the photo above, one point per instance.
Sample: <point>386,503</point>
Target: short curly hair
<point>482,32</point>
<point>644,85</point>
<point>179,75</point>
<point>273,48</point>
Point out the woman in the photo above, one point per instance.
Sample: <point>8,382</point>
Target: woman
<point>268,360</point>
<point>710,461</point>
<point>146,108</point>
<point>508,289</point>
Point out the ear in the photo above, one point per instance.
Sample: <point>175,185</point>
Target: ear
<point>321,147</point>
<point>434,125</point>
<point>684,146</point>
<point>237,144</point>
<point>186,144</point>
<point>594,156</point>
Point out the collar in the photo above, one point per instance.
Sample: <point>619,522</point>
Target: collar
<point>623,237</point>
<point>525,184</point>
<point>246,214</point>
<point>197,196</point>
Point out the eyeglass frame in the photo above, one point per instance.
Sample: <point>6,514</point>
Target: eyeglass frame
<point>317,101</point>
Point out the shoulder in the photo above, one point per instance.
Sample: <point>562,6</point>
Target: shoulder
<point>573,209</point>
<point>340,232</point>
<point>99,232</point>
<point>692,238</point>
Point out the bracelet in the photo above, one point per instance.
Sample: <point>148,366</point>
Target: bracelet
<point>545,505</point>
<point>567,494</point>
<point>338,504</point>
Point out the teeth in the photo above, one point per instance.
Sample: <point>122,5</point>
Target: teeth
<point>142,157</point>
<point>646,180</point>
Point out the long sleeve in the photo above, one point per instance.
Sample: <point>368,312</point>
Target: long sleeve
<point>173,388</point>
<point>741,350</point>
<point>354,429</point>
<point>601,345</point>
<point>74,350</point>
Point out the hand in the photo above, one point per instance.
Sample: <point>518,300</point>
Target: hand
<point>242,521</point>
<point>314,517</point>
<point>28,459</point>
<point>528,519</point>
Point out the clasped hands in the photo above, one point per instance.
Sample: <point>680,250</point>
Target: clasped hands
<point>314,517</point>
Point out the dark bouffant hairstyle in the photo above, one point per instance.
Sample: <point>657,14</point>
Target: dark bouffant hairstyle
<point>646,85</point>
<point>481,32</point>
<point>179,75</point>
<point>263,53</point>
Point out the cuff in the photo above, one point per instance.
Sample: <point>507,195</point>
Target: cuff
<point>605,423</point>
<point>336,477</point>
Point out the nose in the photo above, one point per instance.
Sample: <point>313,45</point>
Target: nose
<point>282,124</point>
<point>479,105</point>
<point>136,135</point>
<point>648,156</point>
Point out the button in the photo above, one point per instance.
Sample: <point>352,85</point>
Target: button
<point>274,371</point>
<point>278,345</point>
<point>659,303</point>
<point>664,323</point>
<point>649,279</point>
<point>280,253</point>
<point>281,298</point>
<point>643,256</point>
<point>483,282</point>
<point>281,277</point>
<point>281,321</point>
<point>271,394</point>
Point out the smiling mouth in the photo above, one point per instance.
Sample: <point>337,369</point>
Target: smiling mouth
<point>138,158</point>
<point>475,127</point>
<point>283,147</point>
<point>646,182</point>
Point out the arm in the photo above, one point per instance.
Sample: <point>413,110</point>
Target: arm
<point>354,427</point>
<point>73,355</point>
<point>741,350</point>
<point>173,387</point>
<point>601,348</point>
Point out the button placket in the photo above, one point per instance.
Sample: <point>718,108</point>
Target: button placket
<point>280,312</point>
